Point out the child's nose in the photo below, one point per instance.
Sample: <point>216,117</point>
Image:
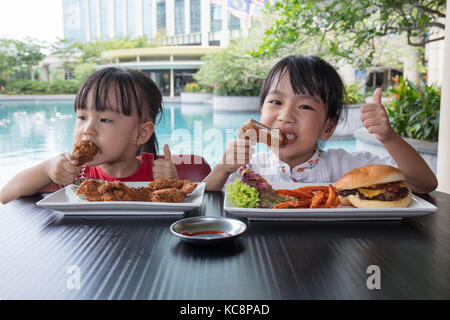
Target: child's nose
<point>89,130</point>
<point>285,114</point>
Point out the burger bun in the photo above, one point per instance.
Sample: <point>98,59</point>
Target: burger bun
<point>355,201</point>
<point>368,176</point>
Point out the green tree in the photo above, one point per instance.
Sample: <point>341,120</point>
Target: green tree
<point>8,59</point>
<point>233,71</point>
<point>350,29</point>
<point>28,53</point>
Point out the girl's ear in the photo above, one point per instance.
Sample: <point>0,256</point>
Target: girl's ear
<point>145,132</point>
<point>328,130</point>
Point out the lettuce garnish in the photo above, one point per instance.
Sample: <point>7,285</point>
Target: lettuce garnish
<point>242,194</point>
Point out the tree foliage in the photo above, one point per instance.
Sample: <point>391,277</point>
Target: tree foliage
<point>233,71</point>
<point>16,54</point>
<point>349,29</point>
<point>75,52</point>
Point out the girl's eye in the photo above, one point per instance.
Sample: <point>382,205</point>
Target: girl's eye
<point>105,120</point>
<point>81,118</point>
<point>277,102</point>
<point>305,107</point>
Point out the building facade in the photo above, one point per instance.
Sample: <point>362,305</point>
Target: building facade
<point>183,22</point>
<point>192,26</point>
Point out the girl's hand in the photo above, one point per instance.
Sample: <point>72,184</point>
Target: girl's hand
<point>376,120</point>
<point>63,169</point>
<point>163,168</point>
<point>237,154</point>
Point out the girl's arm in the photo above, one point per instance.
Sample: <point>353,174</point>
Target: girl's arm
<point>237,154</point>
<point>217,178</point>
<point>25,183</point>
<point>60,170</point>
<point>419,177</point>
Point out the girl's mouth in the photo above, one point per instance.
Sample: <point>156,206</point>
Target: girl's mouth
<point>291,138</point>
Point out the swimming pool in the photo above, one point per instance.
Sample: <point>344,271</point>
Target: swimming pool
<point>31,132</point>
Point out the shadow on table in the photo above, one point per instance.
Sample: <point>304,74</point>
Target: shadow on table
<point>369,230</point>
<point>211,251</point>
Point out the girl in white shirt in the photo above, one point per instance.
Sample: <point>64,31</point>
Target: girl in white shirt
<point>304,98</point>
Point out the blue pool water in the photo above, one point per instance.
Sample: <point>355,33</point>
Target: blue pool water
<point>31,132</point>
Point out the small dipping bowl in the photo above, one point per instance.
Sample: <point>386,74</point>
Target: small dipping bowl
<point>208,230</point>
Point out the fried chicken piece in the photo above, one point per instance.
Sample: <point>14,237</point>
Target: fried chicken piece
<point>84,151</point>
<point>119,191</point>
<point>89,189</point>
<point>141,194</point>
<point>165,183</point>
<point>168,195</point>
<point>188,186</point>
<point>259,132</point>
<point>185,186</point>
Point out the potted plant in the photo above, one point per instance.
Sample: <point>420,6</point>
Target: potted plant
<point>194,92</point>
<point>235,76</point>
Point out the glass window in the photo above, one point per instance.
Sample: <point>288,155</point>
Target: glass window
<point>233,22</point>
<point>147,17</point>
<point>216,18</point>
<point>75,20</point>
<point>195,16</point>
<point>179,16</point>
<point>161,15</point>
<point>104,18</point>
<point>131,18</point>
<point>93,20</point>
<point>119,21</point>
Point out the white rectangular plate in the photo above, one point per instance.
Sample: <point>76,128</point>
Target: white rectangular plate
<point>66,201</point>
<point>418,207</point>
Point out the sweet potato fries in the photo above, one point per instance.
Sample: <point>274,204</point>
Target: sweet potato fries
<point>309,197</point>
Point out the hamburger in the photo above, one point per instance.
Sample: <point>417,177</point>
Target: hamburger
<point>374,186</point>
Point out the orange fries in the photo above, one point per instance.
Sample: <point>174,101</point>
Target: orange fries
<point>309,197</point>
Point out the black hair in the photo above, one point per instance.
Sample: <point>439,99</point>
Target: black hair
<point>310,75</point>
<point>135,92</point>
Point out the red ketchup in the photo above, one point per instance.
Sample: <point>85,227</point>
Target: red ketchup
<point>223,233</point>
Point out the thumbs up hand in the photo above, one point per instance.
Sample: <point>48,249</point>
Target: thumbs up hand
<point>375,118</point>
<point>163,168</point>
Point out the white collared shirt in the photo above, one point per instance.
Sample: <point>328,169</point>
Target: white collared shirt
<point>323,167</point>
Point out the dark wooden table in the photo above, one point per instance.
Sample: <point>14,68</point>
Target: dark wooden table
<point>44,255</point>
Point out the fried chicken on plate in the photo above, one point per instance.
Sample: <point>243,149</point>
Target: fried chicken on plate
<point>185,186</point>
<point>119,191</point>
<point>165,183</point>
<point>160,190</point>
<point>89,189</point>
<point>167,195</point>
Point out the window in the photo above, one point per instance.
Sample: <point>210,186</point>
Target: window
<point>131,18</point>
<point>147,17</point>
<point>161,15</point>
<point>195,16</point>
<point>233,22</point>
<point>104,18</point>
<point>216,18</point>
<point>119,21</point>
<point>179,16</point>
<point>93,20</point>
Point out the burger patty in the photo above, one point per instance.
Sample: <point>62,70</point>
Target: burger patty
<point>385,196</point>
